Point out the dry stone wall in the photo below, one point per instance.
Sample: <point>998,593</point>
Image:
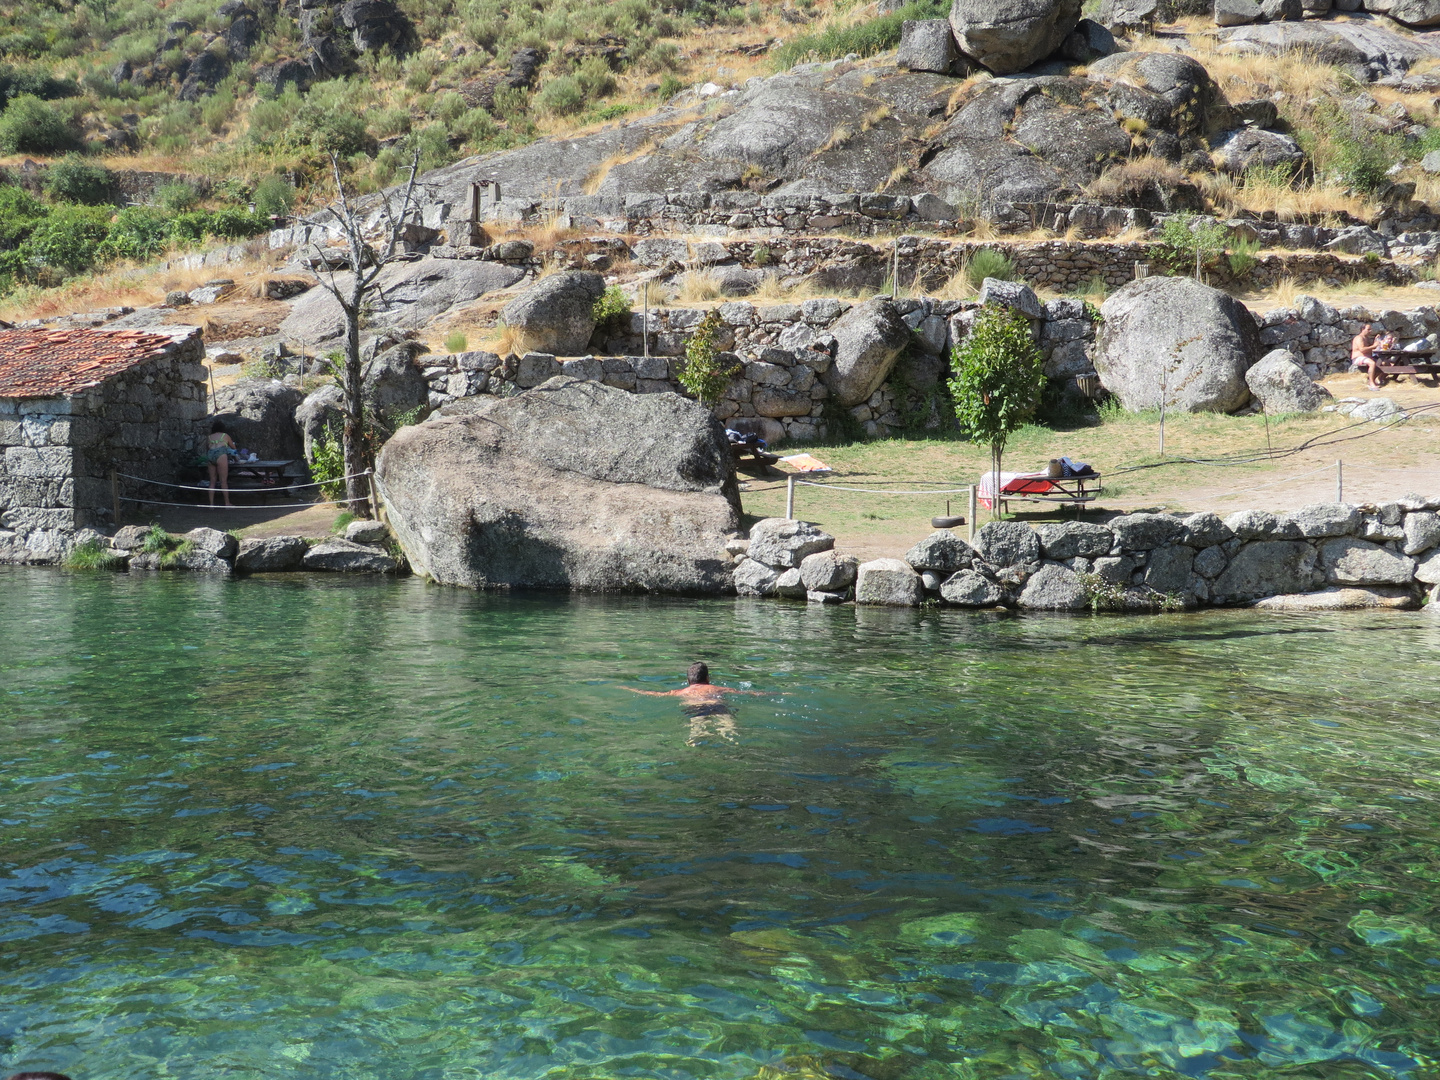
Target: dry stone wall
<point>1323,557</point>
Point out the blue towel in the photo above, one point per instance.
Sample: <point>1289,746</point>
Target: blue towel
<point>1075,468</point>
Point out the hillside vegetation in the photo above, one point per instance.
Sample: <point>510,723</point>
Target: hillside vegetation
<point>245,101</point>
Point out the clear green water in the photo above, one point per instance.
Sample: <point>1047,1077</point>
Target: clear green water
<point>314,828</point>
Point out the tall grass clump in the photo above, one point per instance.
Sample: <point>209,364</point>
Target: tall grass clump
<point>865,38</point>
<point>989,263</point>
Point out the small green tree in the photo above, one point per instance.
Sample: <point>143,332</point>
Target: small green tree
<point>997,376</point>
<point>703,374</point>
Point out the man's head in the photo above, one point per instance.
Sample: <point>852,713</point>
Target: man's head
<point>39,1076</point>
<point>699,674</point>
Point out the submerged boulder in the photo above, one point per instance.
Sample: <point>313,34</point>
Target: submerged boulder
<point>572,485</point>
<point>1175,337</point>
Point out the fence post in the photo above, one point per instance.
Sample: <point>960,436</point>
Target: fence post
<point>970,517</point>
<point>1339,482</point>
<point>374,495</point>
<point>645,320</point>
<point>790,497</point>
<point>115,496</point>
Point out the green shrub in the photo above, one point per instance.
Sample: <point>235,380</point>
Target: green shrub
<point>32,126</point>
<point>69,238</point>
<point>595,77</point>
<point>176,196</point>
<point>37,82</point>
<point>703,374</point>
<point>456,342</point>
<point>274,195</point>
<point>989,263</point>
<point>75,180</point>
<point>330,131</point>
<point>561,97</point>
<point>20,212</point>
<point>670,85</point>
<point>327,466</point>
<point>612,310</point>
<point>1242,256</point>
<point>998,375</point>
<point>138,232</point>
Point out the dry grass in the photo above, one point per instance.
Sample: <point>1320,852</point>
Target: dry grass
<point>839,136</point>
<point>597,177</point>
<point>1123,183</point>
<point>1369,293</point>
<point>122,285</point>
<point>958,286</point>
<point>698,287</point>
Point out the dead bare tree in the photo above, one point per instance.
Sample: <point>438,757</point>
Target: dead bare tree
<point>352,290</point>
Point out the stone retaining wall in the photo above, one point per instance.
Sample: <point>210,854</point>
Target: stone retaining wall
<point>1321,557</point>
<point>784,351</point>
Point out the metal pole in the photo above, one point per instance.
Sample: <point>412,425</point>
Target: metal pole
<point>790,497</point>
<point>970,517</point>
<point>115,496</point>
<point>1339,482</point>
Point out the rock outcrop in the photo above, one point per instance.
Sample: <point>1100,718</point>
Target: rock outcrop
<point>259,414</point>
<point>868,339</point>
<point>1176,337</point>
<point>573,485</point>
<point>1006,36</point>
<point>555,315</point>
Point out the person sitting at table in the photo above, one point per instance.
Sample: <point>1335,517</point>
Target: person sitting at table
<point>1362,348</point>
<point>221,450</point>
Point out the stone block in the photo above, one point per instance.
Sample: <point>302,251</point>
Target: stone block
<point>970,588</point>
<point>54,462</point>
<point>1053,588</point>
<point>1351,561</point>
<point>534,368</point>
<point>779,403</point>
<point>888,582</point>
<point>754,578</point>
<point>585,367</point>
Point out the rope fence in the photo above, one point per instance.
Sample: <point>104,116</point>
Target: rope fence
<point>117,498</point>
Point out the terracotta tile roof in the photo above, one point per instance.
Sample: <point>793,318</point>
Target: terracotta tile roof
<point>50,363</point>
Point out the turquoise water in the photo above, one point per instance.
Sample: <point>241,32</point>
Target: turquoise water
<point>306,827</point>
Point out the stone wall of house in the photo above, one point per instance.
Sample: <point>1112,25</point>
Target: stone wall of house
<point>56,453</point>
<point>1323,557</point>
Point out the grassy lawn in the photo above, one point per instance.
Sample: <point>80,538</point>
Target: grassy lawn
<point>1382,463</point>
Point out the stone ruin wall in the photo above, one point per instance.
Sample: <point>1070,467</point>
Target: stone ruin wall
<point>56,453</point>
<point>781,378</point>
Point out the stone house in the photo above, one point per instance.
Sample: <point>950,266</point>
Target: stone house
<point>78,403</point>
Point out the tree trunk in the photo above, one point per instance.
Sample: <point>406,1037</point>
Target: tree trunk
<point>996,452</point>
<point>356,489</point>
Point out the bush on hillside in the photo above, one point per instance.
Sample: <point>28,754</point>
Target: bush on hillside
<point>32,126</point>
<point>72,179</point>
<point>69,238</point>
<point>274,195</point>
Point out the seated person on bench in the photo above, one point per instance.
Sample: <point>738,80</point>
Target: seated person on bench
<point>1361,348</point>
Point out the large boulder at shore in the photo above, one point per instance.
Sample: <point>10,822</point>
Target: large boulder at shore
<point>888,581</point>
<point>869,337</point>
<point>556,314</point>
<point>572,485</point>
<point>1176,336</point>
<point>1009,35</point>
<point>1281,385</point>
<point>259,414</point>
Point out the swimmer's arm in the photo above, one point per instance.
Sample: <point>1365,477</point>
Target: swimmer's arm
<point>750,693</point>
<point>649,693</point>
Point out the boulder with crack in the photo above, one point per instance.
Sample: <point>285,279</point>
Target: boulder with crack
<point>573,485</point>
<point>1176,339</point>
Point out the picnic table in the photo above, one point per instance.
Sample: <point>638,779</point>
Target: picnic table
<point>255,476</point>
<point>1076,491</point>
<point>1397,363</point>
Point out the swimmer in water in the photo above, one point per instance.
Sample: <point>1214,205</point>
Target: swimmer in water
<point>703,703</point>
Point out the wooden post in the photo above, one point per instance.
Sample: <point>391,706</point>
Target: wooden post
<point>790,497</point>
<point>970,517</point>
<point>645,320</point>
<point>473,238</point>
<point>1339,482</point>
<point>374,495</point>
<point>115,496</point>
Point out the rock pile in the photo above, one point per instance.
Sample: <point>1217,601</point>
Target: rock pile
<point>363,550</point>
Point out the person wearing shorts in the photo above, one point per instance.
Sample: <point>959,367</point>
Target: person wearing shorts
<point>217,458</point>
